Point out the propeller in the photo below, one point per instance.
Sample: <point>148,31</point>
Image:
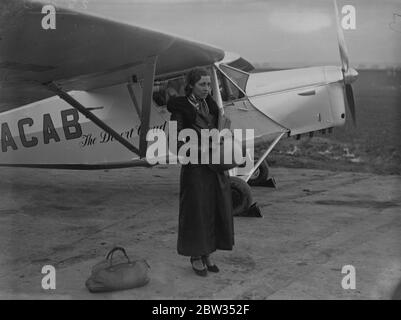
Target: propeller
<point>349,74</point>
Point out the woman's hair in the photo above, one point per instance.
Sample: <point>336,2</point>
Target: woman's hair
<point>193,77</point>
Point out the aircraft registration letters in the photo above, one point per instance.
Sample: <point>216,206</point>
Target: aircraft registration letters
<point>70,123</point>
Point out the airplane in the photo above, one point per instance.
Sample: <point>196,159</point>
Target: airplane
<point>84,95</point>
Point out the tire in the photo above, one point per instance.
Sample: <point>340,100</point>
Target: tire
<point>241,196</point>
<point>261,174</point>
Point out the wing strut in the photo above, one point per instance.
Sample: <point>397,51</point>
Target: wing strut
<point>74,103</point>
<point>147,92</point>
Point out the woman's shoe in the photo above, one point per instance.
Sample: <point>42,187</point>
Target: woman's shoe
<point>199,272</point>
<point>211,268</point>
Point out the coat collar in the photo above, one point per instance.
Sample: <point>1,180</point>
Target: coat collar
<point>182,105</point>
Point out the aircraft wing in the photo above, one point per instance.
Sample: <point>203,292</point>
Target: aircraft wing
<point>84,52</point>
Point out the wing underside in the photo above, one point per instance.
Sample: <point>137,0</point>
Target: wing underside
<point>84,52</point>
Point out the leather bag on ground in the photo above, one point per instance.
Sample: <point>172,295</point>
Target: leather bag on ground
<point>107,276</point>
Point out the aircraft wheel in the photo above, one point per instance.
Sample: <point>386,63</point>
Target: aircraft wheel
<point>260,175</point>
<point>241,195</point>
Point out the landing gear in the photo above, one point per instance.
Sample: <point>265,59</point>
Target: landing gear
<point>259,177</point>
<point>241,196</point>
<point>241,191</point>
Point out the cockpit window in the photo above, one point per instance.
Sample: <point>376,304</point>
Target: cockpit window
<point>232,83</point>
<point>163,90</point>
<point>228,90</point>
<point>239,77</point>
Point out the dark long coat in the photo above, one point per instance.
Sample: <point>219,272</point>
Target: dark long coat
<point>205,210</point>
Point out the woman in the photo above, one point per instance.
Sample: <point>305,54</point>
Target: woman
<point>205,214</point>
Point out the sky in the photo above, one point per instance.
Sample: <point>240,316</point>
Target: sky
<point>271,33</point>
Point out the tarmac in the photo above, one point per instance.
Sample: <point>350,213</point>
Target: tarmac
<point>315,223</point>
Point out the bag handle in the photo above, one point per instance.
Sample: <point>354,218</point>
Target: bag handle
<point>110,254</point>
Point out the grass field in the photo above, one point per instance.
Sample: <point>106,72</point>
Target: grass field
<point>374,145</point>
